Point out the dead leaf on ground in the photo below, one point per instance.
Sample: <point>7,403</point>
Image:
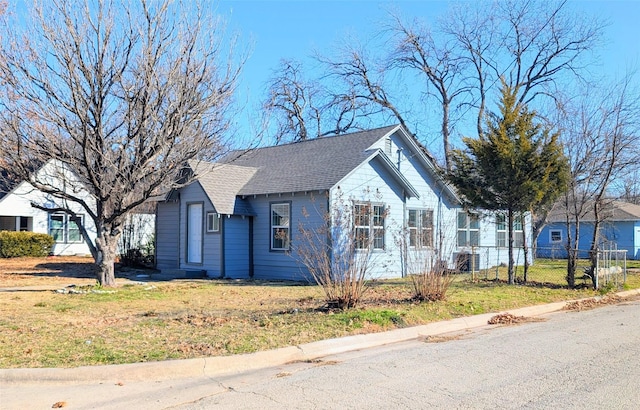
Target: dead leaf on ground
<point>59,404</point>
<point>592,303</point>
<point>510,319</point>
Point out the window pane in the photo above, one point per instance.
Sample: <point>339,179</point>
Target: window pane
<point>518,239</point>
<point>280,238</point>
<point>474,238</point>
<point>56,227</point>
<point>362,238</point>
<point>462,220</point>
<point>378,240</point>
<point>517,223</point>
<point>462,238</point>
<point>280,215</point>
<point>413,218</point>
<point>427,218</point>
<point>427,237</point>
<point>413,236</point>
<point>501,222</point>
<point>474,222</point>
<point>74,234</point>
<point>501,239</point>
<point>378,216</point>
<point>213,222</point>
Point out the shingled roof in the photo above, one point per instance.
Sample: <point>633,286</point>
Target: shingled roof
<point>221,183</point>
<point>311,165</point>
<point>611,211</point>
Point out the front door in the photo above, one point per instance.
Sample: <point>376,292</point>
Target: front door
<point>194,233</point>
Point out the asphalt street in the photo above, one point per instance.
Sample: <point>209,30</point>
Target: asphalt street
<point>566,360</point>
<point>572,360</point>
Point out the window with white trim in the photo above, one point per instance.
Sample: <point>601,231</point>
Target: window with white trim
<point>555,235</point>
<point>280,226</point>
<point>65,228</point>
<point>502,231</point>
<point>420,224</point>
<point>213,222</point>
<point>468,229</point>
<point>369,225</point>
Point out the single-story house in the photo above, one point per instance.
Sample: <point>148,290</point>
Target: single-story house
<point>25,208</point>
<point>619,229</point>
<point>243,217</point>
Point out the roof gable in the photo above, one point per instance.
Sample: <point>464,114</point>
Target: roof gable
<point>221,183</point>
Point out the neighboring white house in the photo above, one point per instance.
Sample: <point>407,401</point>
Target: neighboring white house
<point>17,212</point>
<point>25,208</point>
<point>241,217</point>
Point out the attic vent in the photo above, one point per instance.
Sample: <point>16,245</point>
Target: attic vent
<point>387,146</point>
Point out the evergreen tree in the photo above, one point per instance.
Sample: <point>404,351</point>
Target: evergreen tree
<point>515,166</point>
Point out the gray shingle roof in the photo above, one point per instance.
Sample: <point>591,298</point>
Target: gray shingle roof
<point>316,164</point>
<point>611,211</point>
<point>221,183</point>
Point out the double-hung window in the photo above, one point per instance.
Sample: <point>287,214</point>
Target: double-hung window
<point>369,225</point>
<point>420,224</point>
<point>502,231</point>
<point>65,228</point>
<point>468,229</point>
<point>280,226</point>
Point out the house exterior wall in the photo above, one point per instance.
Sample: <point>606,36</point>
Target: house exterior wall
<point>621,235</point>
<point>167,235</point>
<point>307,209</point>
<point>236,246</point>
<point>18,204</point>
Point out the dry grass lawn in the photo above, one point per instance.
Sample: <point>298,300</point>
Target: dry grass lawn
<point>149,321</point>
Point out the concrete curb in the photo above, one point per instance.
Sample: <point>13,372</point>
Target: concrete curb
<point>226,365</point>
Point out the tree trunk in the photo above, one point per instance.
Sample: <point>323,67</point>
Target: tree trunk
<point>445,134</point>
<point>512,279</point>
<point>593,251</point>
<point>106,246</point>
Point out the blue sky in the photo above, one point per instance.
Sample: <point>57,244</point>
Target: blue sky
<point>293,29</point>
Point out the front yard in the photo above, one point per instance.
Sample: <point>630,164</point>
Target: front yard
<point>150,321</point>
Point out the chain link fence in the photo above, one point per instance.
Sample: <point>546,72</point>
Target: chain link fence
<point>480,264</point>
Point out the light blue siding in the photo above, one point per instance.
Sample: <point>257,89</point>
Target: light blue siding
<point>306,209</point>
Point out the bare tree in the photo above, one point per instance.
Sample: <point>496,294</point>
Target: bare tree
<point>603,145</point>
<point>124,93</point>
<point>441,64</point>
<point>293,101</point>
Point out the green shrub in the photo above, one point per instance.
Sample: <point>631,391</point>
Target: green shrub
<point>15,244</point>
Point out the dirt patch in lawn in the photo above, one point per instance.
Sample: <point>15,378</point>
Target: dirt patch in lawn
<point>52,270</point>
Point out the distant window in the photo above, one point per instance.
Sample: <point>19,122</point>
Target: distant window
<point>280,226</point>
<point>502,231</point>
<point>369,219</point>
<point>556,235</point>
<point>420,224</point>
<point>65,228</point>
<point>213,222</point>
<point>468,229</point>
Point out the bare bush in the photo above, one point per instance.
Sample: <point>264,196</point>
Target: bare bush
<point>338,254</point>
